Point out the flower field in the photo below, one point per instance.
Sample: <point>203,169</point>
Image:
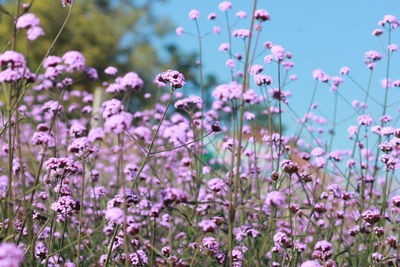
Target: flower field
<point>196,177</point>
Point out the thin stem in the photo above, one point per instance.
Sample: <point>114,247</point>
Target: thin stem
<point>232,206</point>
<point>153,140</point>
<point>183,145</point>
<point>78,260</point>
<point>57,36</point>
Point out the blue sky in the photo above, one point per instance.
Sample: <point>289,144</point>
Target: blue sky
<point>320,34</point>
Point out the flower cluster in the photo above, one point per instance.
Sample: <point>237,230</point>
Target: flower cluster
<point>211,175</point>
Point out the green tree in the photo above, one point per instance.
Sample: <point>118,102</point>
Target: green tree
<point>118,33</point>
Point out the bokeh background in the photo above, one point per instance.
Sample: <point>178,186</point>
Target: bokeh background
<point>320,34</point>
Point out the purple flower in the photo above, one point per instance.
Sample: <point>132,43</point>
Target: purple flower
<point>51,61</point>
<point>212,16</point>
<point>225,5</point>
<point>245,231</point>
<point>118,123</point>
<point>111,107</point>
<point>114,215</point>
<point>230,63</point>
<point>74,61</point>
<point>138,258</point>
<point>323,250</point>
<point>190,103</point>
<point>261,15</point>
<point>194,14</point>
<point>377,32</point>
<point>216,30</point>
<point>376,257</point>
<point>66,2</point>
<point>242,33</point>
<point>391,20</point>
<point>91,73</point>
<point>216,185</point>
<point>241,14</point>
<point>77,130</point>
<point>393,47</point>
<point>313,263</point>
<point>386,83</point>
<point>395,201</point>
<point>26,21</point>
<point>3,186</point>
<point>52,107</point>
<point>317,152</point>
<point>237,257</point>
<point>371,216</point>
<point>34,32</point>
<point>281,240</point>
<point>65,206</point>
<point>110,70</point>
<point>227,92</point>
<point>131,80</point>
<point>60,167</point>
<point>82,147</point>
<point>262,79</point>
<point>166,251</point>
<point>216,128</point>
<point>336,80</point>
<point>275,198</point>
<point>172,77</point>
<point>278,52</point>
<point>365,119</point>
<point>173,195</point>
<point>289,166</point>
<point>63,189</point>
<point>41,250</point>
<point>344,70</point>
<point>10,75</point>
<point>371,57</point>
<point>179,30</point>
<point>207,226</point>
<point>12,59</point>
<point>321,76</point>
<point>43,138</point>
<point>256,69</point>
<point>10,255</point>
<point>209,244</point>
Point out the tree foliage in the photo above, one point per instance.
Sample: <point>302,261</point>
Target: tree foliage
<point>119,33</point>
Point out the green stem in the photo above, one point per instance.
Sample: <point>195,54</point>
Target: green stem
<point>153,140</point>
<point>81,213</point>
<point>232,210</point>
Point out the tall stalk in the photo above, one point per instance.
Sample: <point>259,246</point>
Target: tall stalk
<point>232,208</point>
<point>144,162</point>
<point>78,260</point>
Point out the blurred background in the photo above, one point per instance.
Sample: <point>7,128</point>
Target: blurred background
<point>140,36</point>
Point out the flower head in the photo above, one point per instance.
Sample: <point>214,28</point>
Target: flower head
<point>110,70</point>
<point>172,77</point>
<point>179,30</point>
<point>319,75</point>
<point>74,61</point>
<point>365,119</point>
<point>275,198</point>
<point>261,15</point>
<point>225,5</point>
<point>194,14</point>
<point>10,255</point>
<point>26,21</point>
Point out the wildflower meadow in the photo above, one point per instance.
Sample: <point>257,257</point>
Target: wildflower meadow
<point>227,175</point>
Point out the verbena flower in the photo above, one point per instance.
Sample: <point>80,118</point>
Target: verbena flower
<point>225,5</point>
<point>172,77</point>
<point>10,255</point>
